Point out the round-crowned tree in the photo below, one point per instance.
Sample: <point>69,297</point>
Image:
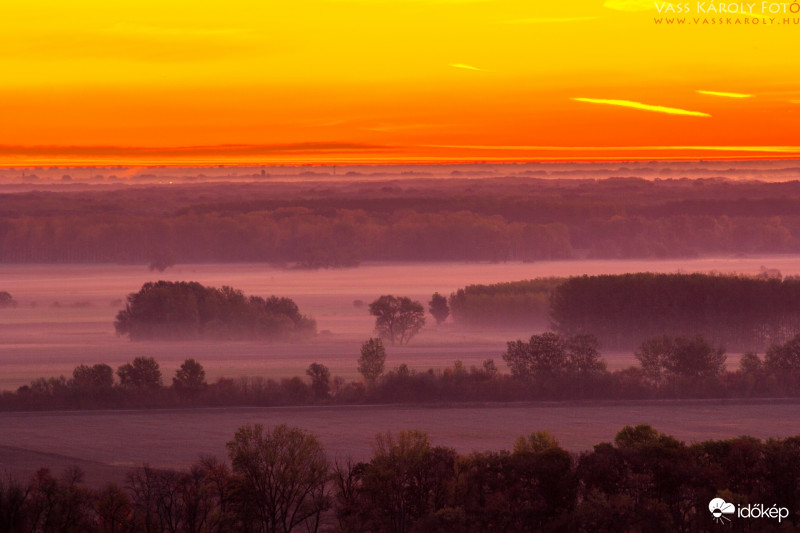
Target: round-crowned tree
<point>397,319</point>
<point>190,378</point>
<point>142,373</point>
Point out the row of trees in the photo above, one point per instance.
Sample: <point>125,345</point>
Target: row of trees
<point>188,310</point>
<point>501,304</point>
<point>295,237</point>
<point>544,367</point>
<point>744,312</point>
<point>495,220</point>
<point>279,480</point>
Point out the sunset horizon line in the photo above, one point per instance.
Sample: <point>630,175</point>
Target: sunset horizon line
<point>355,154</point>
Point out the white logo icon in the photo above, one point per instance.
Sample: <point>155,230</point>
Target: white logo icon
<point>719,508</point>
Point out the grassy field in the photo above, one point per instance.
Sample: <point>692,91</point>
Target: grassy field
<point>107,443</point>
<point>65,319</point>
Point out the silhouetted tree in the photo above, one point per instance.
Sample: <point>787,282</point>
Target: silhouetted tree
<point>406,480</point>
<point>438,308</point>
<point>59,505</point>
<point>784,358</point>
<point>190,378</point>
<point>372,360</point>
<point>782,361</point>
<point>398,319</point>
<point>162,260</point>
<point>544,355</point>
<point>583,355</point>
<point>668,357</point>
<point>142,374</point>
<point>92,377</point>
<point>283,473</point>
<point>112,505</point>
<point>535,442</point>
<point>320,380</point>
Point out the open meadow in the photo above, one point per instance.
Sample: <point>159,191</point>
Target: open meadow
<point>106,444</point>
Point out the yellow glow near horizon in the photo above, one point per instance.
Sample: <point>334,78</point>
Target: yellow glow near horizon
<point>393,77</point>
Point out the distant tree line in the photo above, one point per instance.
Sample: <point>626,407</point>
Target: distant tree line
<point>622,310</point>
<point>280,480</point>
<point>188,310</point>
<point>547,366</point>
<point>491,220</point>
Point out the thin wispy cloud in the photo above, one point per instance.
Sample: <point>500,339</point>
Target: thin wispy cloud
<point>725,95</point>
<point>643,107</point>
<point>549,20</point>
<point>467,67</point>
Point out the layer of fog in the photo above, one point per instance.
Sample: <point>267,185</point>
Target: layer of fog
<point>65,314</point>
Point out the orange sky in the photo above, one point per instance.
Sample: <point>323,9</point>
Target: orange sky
<point>299,81</point>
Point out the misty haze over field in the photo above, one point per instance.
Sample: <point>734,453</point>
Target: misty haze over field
<point>76,244</point>
<point>26,178</point>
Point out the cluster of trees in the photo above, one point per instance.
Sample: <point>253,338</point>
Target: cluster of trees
<point>139,383</point>
<point>523,219</point>
<point>178,310</point>
<point>279,480</point>
<point>188,310</point>
<point>6,300</point>
<point>500,304</point>
<point>622,310</point>
<point>746,313</point>
<point>545,367</point>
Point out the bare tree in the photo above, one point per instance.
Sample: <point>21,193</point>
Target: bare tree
<point>283,474</point>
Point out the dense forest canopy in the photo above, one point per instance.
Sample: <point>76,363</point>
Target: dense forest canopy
<point>281,478</point>
<point>500,304</point>
<point>342,223</point>
<point>188,310</point>
<point>742,313</point>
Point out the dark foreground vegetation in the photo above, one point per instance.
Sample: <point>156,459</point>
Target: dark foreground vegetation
<point>175,310</point>
<point>545,367</point>
<point>333,224</point>
<point>743,312</point>
<point>279,480</point>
